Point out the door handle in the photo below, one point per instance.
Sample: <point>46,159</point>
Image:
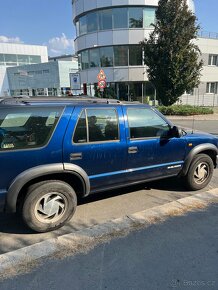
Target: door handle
<point>76,156</point>
<point>132,150</point>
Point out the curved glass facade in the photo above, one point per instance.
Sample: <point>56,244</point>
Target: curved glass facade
<point>108,56</point>
<point>115,18</point>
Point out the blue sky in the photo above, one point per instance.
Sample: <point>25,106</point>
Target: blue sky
<point>49,22</point>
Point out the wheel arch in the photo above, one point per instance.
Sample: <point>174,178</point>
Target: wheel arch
<point>71,174</point>
<point>207,148</point>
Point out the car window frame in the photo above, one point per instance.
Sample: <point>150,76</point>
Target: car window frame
<point>87,130</point>
<point>145,138</point>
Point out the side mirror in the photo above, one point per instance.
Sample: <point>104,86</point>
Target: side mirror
<point>175,132</point>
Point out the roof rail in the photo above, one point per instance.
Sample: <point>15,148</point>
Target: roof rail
<point>27,99</point>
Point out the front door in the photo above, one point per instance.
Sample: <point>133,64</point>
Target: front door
<point>150,156</point>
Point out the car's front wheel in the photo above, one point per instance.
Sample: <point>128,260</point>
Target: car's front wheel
<point>48,205</point>
<point>200,172</point>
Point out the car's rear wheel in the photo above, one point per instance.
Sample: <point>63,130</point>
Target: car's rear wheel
<point>48,205</point>
<point>200,172</point>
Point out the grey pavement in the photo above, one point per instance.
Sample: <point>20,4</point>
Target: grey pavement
<point>97,209</point>
<point>209,126</point>
<point>180,253</point>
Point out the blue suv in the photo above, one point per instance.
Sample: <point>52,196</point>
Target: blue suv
<point>54,150</point>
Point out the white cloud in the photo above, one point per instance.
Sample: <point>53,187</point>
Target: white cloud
<point>60,45</point>
<point>10,39</point>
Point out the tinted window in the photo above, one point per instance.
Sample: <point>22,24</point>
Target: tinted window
<point>145,123</point>
<point>80,134</point>
<point>85,59</point>
<point>92,22</point>
<point>94,58</point>
<point>121,55</point>
<point>97,125</point>
<point>106,55</point>
<point>82,25</point>
<point>148,16</point>
<point>105,19</point>
<point>135,17</point>
<point>135,55</point>
<point>120,19</point>
<point>26,127</point>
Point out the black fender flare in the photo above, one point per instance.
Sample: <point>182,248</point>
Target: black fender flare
<point>196,150</point>
<point>40,171</point>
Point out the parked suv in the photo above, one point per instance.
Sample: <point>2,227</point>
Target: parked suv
<point>54,150</point>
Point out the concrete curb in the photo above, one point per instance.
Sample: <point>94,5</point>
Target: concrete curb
<point>114,228</point>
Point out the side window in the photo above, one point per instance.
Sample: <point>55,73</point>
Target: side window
<point>97,125</point>
<point>27,127</point>
<point>145,123</point>
<point>80,134</point>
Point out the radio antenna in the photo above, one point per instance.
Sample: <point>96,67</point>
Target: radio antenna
<point>193,124</point>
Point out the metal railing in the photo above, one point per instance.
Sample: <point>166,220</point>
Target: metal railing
<point>208,34</point>
<point>204,100</point>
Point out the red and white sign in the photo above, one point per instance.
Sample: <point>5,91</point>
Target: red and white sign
<point>101,75</point>
<point>102,84</point>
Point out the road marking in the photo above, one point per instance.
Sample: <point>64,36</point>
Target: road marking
<point>14,262</point>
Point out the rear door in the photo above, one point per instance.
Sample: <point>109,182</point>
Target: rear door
<point>95,141</point>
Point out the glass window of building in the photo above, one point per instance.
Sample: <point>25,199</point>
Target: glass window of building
<point>135,55</point>
<point>92,22</point>
<point>120,18</point>
<point>94,57</point>
<point>213,60</point>
<point>82,25</point>
<point>106,56</point>
<point>121,55</point>
<point>34,58</point>
<point>148,16</point>
<point>23,59</point>
<point>135,17</point>
<point>105,19</point>
<point>2,59</point>
<point>85,59</point>
<point>212,88</point>
<point>11,59</point>
<point>77,28</point>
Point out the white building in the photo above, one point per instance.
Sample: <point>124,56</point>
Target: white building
<point>51,78</point>
<point>108,36</point>
<point>14,54</point>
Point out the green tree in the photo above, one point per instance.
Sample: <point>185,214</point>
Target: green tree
<point>173,60</point>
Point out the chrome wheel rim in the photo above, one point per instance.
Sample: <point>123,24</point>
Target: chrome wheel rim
<point>50,207</point>
<point>201,173</point>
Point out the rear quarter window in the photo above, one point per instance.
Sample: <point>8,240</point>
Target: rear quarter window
<point>22,128</point>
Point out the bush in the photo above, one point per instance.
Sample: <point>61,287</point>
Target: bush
<point>184,110</point>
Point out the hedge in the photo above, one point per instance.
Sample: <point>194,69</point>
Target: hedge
<point>184,110</point>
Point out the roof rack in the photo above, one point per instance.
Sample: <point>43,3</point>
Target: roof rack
<point>27,99</point>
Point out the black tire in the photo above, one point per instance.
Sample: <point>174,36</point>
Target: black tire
<point>200,172</point>
<point>48,205</point>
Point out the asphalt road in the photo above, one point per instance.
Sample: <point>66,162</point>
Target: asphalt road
<point>210,126</point>
<point>181,253</point>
